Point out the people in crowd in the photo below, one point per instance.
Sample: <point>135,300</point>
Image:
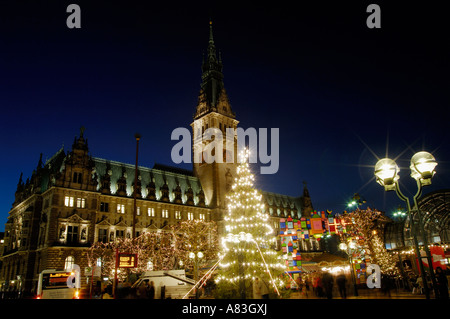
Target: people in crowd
<point>442,283</point>
<point>257,287</point>
<point>151,290</point>
<point>260,289</point>
<point>327,282</point>
<point>341,282</point>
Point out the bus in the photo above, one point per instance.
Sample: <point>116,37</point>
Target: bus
<point>53,285</point>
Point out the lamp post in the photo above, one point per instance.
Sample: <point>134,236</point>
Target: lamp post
<point>138,137</point>
<point>349,250</point>
<point>422,170</point>
<point>196,257</point>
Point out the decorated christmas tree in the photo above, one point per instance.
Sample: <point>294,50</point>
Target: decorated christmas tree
<point>366,228</point>
<point>247,247</point>
<point>196,244</point>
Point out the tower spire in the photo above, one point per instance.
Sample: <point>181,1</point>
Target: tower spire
<point>212,88</point>
<point>211,37</point>
<point>211,59</point>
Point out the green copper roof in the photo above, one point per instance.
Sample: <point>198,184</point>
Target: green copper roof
<point>171,175</point>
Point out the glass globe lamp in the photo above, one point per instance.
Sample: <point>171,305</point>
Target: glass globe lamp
<point>386,173</point>
<point>422,167</point>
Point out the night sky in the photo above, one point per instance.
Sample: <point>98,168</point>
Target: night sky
<point>340,93</point>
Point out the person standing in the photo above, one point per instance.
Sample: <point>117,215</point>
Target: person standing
<point>257,289</point>
<point>342,283</point>
<point>151,290</point>
<point>419,282</point>
<point>442,283</point>
<point>327,281</point>
<point>315,284</point>
<point>107,293</point>
<point>142,290</point>
<point>264,290</point>
<point>386,285</point>
<point>307,285</point>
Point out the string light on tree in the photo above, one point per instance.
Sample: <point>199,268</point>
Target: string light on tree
<point>246,248</point>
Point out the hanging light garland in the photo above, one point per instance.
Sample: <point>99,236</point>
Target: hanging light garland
<point>246,245</point>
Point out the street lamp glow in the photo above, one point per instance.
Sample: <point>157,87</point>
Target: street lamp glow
<point>386,173</point>
<point>343,246</point>
<point>352,245</point>
<point>423,167</point>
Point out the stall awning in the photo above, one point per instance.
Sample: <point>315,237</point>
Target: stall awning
<point>310,267</point>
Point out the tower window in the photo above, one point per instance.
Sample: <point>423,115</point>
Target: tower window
<point>151,212</point>
<point>201,216</point>
<point>103,235</point>
<point>105,184</point>
<point>190,216</point>
<point>122,187</point>
<point>77,178</point>
<point>72,234</point>
<point>120,233</point>
<point>81,203</point>
<point>120,208</point>
<point>165,213</point>
<point>104,207</point>
<point>69,262</point>
<point>68,201</point>
<point>177,215</point>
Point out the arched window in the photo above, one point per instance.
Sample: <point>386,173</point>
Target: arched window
<point>69,262</point>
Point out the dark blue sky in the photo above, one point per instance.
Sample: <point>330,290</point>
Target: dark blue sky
<point>337,91</point>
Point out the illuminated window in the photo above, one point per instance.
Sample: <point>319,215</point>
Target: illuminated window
<point>138,211</point>
<point>190,216</point>
<point>120,208</point>
<point>151,212</point>
<point>81,203</point>
<point>201,216</point>
<point>177,215</point>
<point>68,263</point>
<point>165,213</point>
<point>68,201</point>
<point>99,261</point>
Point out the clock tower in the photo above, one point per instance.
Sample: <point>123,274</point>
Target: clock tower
<point>214,111</point>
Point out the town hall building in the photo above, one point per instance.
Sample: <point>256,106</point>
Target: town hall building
<point>75,199</point>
